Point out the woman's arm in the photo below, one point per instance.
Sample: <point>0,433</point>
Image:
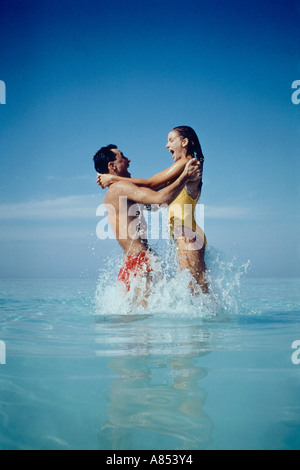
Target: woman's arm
<point>156,182</point>
<point>147,196</point>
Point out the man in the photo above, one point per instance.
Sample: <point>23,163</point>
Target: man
<point>121,199</point>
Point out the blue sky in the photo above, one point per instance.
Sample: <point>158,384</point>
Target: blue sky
<point>82,74</point>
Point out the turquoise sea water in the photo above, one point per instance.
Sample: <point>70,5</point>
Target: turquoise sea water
<point>79,375</point>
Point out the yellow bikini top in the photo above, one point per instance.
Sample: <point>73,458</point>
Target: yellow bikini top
<point>181,212</point>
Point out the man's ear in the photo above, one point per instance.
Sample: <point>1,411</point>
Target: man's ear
<point>111,166</point>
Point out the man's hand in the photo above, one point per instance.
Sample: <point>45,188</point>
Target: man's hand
<point>105,180</point>
<point>192,170</point>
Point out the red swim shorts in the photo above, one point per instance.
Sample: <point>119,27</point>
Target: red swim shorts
<point>134,266</point>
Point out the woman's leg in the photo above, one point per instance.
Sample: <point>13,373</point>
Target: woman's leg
<point>193,260</point>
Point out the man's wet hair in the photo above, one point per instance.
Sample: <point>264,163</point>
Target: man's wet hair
<point>103,157</point>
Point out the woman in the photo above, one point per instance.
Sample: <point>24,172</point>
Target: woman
<point>184,145</point>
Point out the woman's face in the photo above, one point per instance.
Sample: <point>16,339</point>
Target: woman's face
<point>177,146</point>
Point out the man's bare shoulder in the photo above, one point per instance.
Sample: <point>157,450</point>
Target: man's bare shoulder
<point>121,188</point>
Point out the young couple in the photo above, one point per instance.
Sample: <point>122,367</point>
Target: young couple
<point>179,187</point>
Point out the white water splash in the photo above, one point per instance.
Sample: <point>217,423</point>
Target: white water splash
<point>171,296</point>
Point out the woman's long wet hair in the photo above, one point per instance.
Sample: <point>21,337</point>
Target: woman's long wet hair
<point>194,148</point>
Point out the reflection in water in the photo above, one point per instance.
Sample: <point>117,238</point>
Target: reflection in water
<point>155,400</point>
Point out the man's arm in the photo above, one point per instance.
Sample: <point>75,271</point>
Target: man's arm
<point>156,182</point>
<point>147,196</point>
<point>164,178</point>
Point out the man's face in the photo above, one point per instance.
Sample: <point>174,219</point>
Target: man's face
<point>121,164</point>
